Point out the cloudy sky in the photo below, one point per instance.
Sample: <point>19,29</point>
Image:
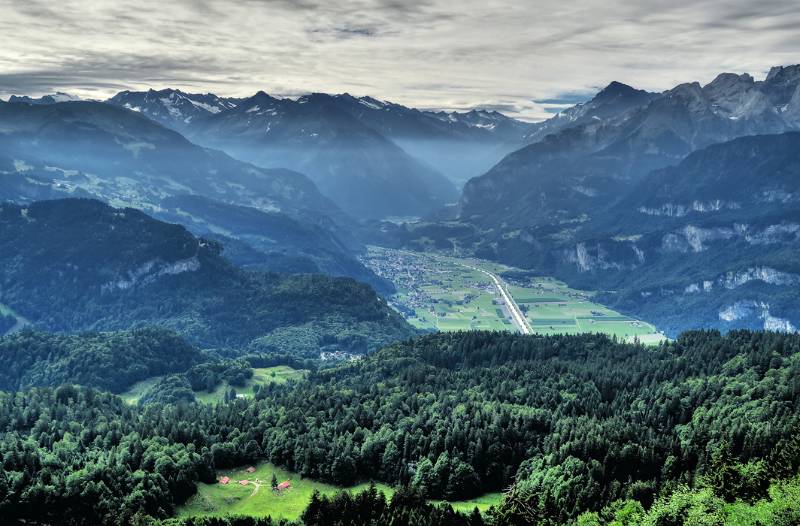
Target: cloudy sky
<point>523,57</point>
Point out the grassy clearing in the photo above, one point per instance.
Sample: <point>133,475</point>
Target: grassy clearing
<point>483,503</point>
<point>258,499</point>
<point>261,376</point>
<point>137,390</point>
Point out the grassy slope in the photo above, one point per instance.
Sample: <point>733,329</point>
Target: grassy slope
<point>261,376</point>
<point>233,499</point>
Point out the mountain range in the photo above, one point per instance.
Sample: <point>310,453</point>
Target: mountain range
<point>375,159</point>
<point>647,196</point>
<point>651,195</point>
<point>95,150</point>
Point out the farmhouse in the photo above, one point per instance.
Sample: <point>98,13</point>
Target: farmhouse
<point>251,469</point>
<point>224,480</point>
<point>283,485</point>
<point>244,482</point>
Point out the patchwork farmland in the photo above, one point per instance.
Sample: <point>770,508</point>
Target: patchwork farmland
<point>444,293</point>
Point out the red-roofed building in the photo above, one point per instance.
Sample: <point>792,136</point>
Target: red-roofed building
<point>244,482</point>
<point>283,485</point>
<point>224,480</point>
<point>251,469</point>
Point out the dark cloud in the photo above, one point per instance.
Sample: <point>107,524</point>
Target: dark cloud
<point>516,56</point>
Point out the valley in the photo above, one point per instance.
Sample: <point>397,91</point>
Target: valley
<point>447,293</point>
<point>233,294</point>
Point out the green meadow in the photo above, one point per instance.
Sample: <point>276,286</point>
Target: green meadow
<point>261,376</point>
<point>257,498</point>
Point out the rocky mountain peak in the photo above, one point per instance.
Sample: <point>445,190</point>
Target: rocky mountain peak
<point>730,81</point>
<point>783,73</point>
<point>615,90</point>
<point>781,83</point>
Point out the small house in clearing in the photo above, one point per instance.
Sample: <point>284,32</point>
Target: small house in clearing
<point>244,482</point>
<point>283,485</point>
<point>251,469</point>
<point>224,480</point>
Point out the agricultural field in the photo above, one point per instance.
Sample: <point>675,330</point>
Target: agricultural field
<point>551,307</point>
<point>443,293</point>
<point>261,376</point>
<point>257,498</point>
<point>440,293</point>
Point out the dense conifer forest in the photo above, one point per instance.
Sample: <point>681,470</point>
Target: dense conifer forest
<point>570,426</point>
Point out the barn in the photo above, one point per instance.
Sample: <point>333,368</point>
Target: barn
<point>284,485</point>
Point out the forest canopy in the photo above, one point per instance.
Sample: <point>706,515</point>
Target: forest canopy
<point>572,424</point>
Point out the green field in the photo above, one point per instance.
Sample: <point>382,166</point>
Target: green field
<point>551,307</point>
<point>137,390</point>
<point>483,503</point>
<point>441,293</point>
<point>258,499</point>
<point>261,376</point>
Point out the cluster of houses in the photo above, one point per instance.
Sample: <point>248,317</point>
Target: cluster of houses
<point>225,481</point>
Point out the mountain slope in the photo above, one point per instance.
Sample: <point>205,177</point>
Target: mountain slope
<point>72,265</point>
<point>121,156</point>
<point>713,241</point>
<point>172,108</point>
<point>363,172</point>
<point>277,236</point>
<point>90,149</point>
<point>578,170</point>
<point>108,361</point>
<point>459,145</point>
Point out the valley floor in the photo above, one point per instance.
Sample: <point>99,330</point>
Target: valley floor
<point>447,293</point>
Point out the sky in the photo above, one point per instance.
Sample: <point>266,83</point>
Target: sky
<point>527,59</point>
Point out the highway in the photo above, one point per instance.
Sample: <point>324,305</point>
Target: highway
<point>516,314</point>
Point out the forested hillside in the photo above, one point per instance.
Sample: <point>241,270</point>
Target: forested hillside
<point>73,265</point>
<point>108,361</point>
<point>571,424</point>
